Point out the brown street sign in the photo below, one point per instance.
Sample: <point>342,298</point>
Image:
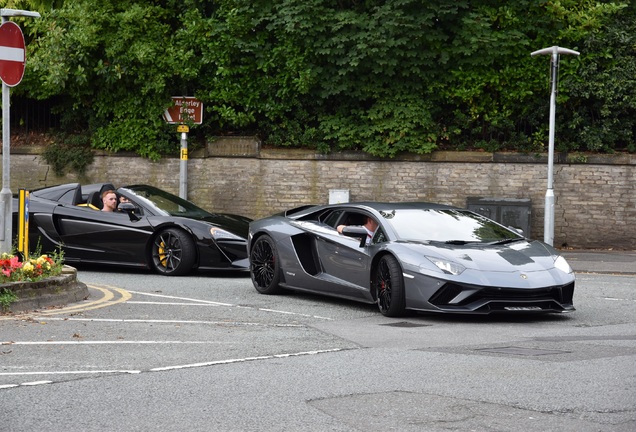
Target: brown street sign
<point>185,109</point>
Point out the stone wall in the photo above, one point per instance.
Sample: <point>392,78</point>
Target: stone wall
<point>595,204</point>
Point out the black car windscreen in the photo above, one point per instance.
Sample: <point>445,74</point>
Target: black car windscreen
<point>162,202</point>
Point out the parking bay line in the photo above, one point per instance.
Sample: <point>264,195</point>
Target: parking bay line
<point>105,342</point>
<point>157,321</point>
<point>245,359</point>
<point>164,368</point>
<point>213,303</point>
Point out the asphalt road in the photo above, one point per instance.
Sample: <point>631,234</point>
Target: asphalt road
<point>208,353</point>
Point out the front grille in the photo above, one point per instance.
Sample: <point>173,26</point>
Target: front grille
<point>567,293</point>
<point>443,296</point>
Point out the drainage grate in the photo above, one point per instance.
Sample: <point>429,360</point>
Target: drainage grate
<point>522,351</point>
<point>405,324</point>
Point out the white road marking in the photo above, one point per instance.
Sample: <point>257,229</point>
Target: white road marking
<point>68,373</point>
<point>292,313</point>
<point>229,305</point>
<point>182,298</point>
<point>158,369</point>
<point>118,342</point>
<point>244,359</point>
<point>617,299</point>
<point>191,302</point>
<point>171,303</point>
<point>32,383</point>
<point>156,321</point>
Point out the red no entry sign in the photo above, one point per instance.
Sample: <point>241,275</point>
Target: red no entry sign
<point>12,53</point>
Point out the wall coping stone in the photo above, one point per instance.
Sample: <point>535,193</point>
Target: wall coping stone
<point>251,147</point>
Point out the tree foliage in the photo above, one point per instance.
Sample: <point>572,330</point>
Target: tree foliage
<point>383,77</point>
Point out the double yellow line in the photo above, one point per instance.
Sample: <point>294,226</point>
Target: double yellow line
<point>108,299</point>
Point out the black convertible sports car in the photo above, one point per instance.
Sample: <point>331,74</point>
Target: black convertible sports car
<point>156,230</point>
<point>422,257</point>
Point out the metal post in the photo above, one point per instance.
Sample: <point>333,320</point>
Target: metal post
<point>6,197</point>
<point>548,220</point>
<point>548,223</point>
<point>5,194</point>
<point>183,165</point>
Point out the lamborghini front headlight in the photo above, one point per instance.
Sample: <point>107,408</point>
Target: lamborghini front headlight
<point>448,267</point>
<point>561,264</point>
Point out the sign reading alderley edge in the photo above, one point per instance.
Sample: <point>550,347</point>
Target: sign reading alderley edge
<point>12,53</point>
<point>185,109</point>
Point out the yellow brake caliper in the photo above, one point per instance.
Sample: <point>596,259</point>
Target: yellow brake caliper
<point>162,254</point>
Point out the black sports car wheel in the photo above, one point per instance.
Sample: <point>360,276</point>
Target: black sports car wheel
<point>264,266</point>
<point>389,285</point>
<point>173,252</point>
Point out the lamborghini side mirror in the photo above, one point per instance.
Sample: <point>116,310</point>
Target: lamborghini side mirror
<point>356,232</point>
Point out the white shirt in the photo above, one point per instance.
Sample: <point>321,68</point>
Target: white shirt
<point>369,235</point>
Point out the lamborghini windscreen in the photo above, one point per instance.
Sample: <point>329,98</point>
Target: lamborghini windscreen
<point>446,225</point>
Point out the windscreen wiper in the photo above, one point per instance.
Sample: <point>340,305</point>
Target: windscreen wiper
<point>506,241</point>
<point>460,242</point>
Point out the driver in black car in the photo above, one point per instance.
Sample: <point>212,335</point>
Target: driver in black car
<point>109,200</point>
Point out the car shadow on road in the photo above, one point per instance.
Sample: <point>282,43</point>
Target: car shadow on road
<point>499,318</point>
<point>434,317</point>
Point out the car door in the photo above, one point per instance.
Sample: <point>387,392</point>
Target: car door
<point>344,259</point>
<point>95,236</point>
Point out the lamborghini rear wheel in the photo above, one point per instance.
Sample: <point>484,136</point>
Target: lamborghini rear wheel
<point>265,266</point>
<point>389,286</point>
<point>173,252</point>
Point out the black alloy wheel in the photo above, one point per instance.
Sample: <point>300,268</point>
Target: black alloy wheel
<point>173,252</point>
<point>265,266</point>
<point>389,286</point>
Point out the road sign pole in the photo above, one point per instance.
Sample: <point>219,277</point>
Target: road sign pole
<point>183,172</point>
<point>185,109</point>
<point>6,197</point>
<point>5,194</point>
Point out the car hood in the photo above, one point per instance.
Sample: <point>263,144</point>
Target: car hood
<point>519,256</point>
<point>235,224</point>
<point>227,220</point>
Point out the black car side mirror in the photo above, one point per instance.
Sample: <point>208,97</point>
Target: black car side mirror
<point>129,208</point>
<point>356,232</point>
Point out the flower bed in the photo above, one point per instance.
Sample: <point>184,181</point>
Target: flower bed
<point>37,282</point>
<point>31,270</point>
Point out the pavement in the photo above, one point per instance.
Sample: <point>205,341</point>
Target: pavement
<point>601,261</point>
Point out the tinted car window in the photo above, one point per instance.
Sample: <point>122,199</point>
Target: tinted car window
<point>331,218</point>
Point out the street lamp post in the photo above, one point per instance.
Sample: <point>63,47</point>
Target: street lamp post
<point>548,224</point>
<point>5,195</point>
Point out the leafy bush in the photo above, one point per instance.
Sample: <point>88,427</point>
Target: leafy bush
<point>6,298</point>
<point>69,150</point>
<point>381,77</point>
